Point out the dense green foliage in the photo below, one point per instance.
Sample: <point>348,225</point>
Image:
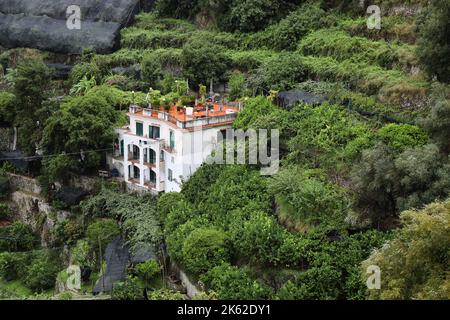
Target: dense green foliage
<point>434,46</point>
<point>203,62</point>
<point>305,201</point>
<point>130,289</point>
<point>17,237</point>
<point>414,263</point>
<point>203,249</point>
<point>234,283</point>
<point>137,213</point>
<point>41,274</point>
<point>386,183</point>
<point>37,269</point>
<point>30,82</point>
<point>100,233</point>
<point>148,270</point>
<point>377,143</point>
<point>68,133</point>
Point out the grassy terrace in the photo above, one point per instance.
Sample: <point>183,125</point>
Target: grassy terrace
<point>384,70</point>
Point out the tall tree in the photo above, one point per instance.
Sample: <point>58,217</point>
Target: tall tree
<point>31,81</point>
<point>434,40</point>
<point>80,130</point>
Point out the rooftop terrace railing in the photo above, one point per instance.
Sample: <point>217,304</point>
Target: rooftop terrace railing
<point>187,123</point>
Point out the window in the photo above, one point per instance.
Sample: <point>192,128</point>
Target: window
<point>154,132</point>
<point>136,153</point>
<point>170,175</point>
<point>161,155</point>
<point>139,129</point>
<point>152,177</point>
<point>172,139</point>
<point>152,154</point>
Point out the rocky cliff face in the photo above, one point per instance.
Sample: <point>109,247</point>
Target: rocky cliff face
<point>42,24</point>
<point>30,207</point>
<point>36,212</point>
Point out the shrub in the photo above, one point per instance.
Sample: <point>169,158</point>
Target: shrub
<point>258,238</point>
<point>374,181</point>
<point>317,283</point>
<point>204,249</point>
<point>423,176</point>
<point>237,193</point>
<point>68,231</point>
<point>175,239</point>
<point>386,183</point>
<point>151,71</point>
<point>287,33</point>
<point>179,214</point>
<point>281,72</point>
<point>197,189</point>
<point>326,135</point>
<point>81,254</point>
<point>148,270</point>
<point>41,274</point>
<point>17,237</point>
<point>305,202</point>
<point>165,294</point>
<point>13,265</point>
<point>65,296</point>
<point>233,283</point>
<point>253,109</point>
<point>251,15</point>
<point>129,289</point>
<point>403,136</point>
<point>342,46</point>
<point>168,202</point>
<point>82,70</point>
<point>203,62</point>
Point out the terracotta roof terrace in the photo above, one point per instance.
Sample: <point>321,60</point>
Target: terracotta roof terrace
<point>213,115</point>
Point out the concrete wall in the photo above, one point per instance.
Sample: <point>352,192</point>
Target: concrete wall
<point>191,288</point>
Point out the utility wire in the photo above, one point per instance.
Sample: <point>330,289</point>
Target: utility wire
<point>54,155</point>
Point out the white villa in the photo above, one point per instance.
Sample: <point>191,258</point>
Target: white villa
<point>160,148</point>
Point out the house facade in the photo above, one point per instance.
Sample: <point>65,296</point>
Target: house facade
<point>160,148</point>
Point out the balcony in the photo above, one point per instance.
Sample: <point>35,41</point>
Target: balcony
<point>150,185</point>
<point>117,156</point>
<point>150,164</point>
<point>133,158</point>
<point>168,148</point>
<point>189,118</point>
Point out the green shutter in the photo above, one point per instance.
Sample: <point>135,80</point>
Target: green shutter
<point>139,129</point>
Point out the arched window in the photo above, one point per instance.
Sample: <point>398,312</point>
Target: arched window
<point>136,152</point>
<point>152,156</point>
<point>152,177</point>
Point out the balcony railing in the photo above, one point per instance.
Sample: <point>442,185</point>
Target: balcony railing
<point>185,124</point>
<point>207,121</point>
<point>150,185</point>
<point>167,147</point>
